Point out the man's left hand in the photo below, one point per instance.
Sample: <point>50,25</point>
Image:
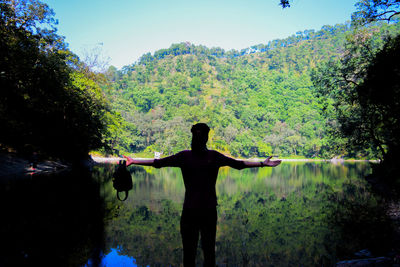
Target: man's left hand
<point>271,163</point>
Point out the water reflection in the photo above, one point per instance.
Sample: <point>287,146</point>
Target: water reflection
<point>298,214</point>
<point>52,220</point>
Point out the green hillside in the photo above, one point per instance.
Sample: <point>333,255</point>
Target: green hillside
<point>258,101</point>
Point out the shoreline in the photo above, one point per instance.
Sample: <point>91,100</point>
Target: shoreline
<point>16,165</point>
<point>13,165</point>
<point>99,159</point>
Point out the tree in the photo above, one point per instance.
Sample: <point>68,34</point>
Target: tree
<point>337,81</point>
<point>364,85</point>
<point>379,99</point>
<point>369,11</point>
<point>375,10</point>
<point>31,15</point>
<point>46,103</point>
<point>95,60</point>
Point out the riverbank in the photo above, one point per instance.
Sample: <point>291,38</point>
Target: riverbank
<point>13,165</point>
<point>100,159</point>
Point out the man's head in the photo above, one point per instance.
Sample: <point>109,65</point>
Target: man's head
<point>199,136</point>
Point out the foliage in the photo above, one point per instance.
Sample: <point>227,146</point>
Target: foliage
<point>368,10</point>
<point>253,99</point>
<point>375,10</point>
<point>47,103</point>
<point>363,85</point>
<point>341,81</point>
<point>379,94</point>
<point>379,99</point>
<point>259,100</point>
<point>285,3</point>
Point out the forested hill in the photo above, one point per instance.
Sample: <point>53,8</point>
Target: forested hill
<point>258,101</point>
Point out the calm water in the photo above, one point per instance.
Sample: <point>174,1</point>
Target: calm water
<point>297,214</point>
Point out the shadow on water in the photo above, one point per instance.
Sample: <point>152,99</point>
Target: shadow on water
<point>51,220</point>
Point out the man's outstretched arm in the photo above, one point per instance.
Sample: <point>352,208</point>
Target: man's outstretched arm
<point>266,163</point>
<point>241,164</point>
<point>171,161</point>
<point>145,162</point>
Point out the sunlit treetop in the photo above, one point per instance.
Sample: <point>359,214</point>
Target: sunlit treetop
<point>369,11</point>
<point>35,17</point>
<point>375,10</point>
<point>32,15</point>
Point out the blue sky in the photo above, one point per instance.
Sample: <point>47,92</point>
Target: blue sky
<point>126,29</point>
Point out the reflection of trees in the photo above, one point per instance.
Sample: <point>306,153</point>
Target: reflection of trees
<point>300,214</point>
<point>146,226</point>
<point>360,222</point>
<point>153,238</point>
<point>260,229</point>
<point>266,216</point>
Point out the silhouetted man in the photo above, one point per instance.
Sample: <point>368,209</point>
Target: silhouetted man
<point>199,168</point>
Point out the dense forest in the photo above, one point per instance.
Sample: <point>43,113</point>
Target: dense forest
<point>258,101</point>
<point>313,94</point>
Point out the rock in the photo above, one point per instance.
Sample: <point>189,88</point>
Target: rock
<point>379,261</point>
<point>364,253</point>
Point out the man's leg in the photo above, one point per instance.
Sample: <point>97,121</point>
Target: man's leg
<point>208,230</point>
<point>190,237</point>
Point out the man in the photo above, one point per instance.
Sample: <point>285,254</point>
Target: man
<point>199,168</point>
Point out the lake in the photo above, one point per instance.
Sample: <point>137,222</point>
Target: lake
<point>297,214</point>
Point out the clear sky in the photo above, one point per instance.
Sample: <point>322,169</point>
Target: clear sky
<point>126,29</point>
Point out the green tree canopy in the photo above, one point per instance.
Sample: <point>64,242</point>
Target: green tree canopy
<point>46,105</point>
